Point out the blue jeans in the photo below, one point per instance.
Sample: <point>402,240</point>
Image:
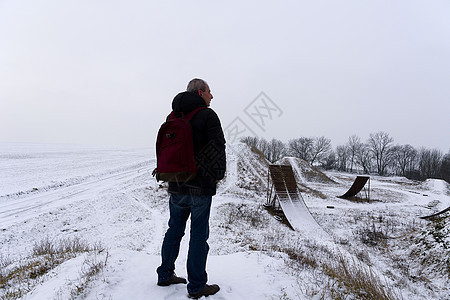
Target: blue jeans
<point>181,206</point>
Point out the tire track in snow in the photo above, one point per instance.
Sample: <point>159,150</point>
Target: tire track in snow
<point>14,211</point>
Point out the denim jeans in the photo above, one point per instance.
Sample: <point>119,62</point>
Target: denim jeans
<point>181,206</point>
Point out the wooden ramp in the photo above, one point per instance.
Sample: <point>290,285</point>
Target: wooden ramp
<point>282,181</point>
<point>356,187</point>
<point>430,217</point>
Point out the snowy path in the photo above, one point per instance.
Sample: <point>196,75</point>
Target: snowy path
<point>131,275</point>
<point>20,210</point>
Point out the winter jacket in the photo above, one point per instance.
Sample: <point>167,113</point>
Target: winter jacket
<point>209,146</point>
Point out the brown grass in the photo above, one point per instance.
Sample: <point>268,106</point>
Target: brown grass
<point>18,277</point>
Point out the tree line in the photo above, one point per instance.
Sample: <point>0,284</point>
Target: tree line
<point>377,155</point>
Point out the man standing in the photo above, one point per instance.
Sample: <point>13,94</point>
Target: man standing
<point>194,197</point>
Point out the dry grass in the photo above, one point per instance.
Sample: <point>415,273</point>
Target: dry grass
<point>242,214</point>
<point>432,246</point>
<point>90,270</point>
<point>18,277</point>
<point>343,279</point>
<point>357,279</point>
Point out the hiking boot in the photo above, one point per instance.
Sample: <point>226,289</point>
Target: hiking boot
<point>206,291</point>
<point>172,280</point>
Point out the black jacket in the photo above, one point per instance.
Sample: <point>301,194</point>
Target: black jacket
<point>209,146</point>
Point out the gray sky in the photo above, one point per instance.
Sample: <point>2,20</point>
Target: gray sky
<point>105,72</point>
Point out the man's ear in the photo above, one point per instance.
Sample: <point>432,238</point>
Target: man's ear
<point>199,92</point>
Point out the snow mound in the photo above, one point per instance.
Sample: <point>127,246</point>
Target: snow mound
<point>437,186</point>
<point>246,172</point>
<point>304,172</point>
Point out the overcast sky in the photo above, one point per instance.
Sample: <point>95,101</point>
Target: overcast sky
<point>105,72</point>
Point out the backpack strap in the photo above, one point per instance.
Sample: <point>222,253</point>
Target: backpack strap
<point>187,116</point>
<point>191,114</point>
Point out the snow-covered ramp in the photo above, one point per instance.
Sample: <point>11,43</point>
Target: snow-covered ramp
<point>292,203</point>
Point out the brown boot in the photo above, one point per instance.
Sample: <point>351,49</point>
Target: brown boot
<point>172,280</point>
<point>206,291</point>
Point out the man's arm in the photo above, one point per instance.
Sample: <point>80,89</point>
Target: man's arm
<point>214,152</point>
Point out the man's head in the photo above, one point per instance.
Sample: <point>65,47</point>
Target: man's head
<point>201,88</point>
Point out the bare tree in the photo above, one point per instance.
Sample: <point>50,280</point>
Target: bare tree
<point>445,167</point>
<point>403,158</point>
<point>329,161</point>
<point>255,142</point>
<point>354,145</point>
<point>430,163</point>
<point>380,145</point>
<point>364,158</point>
<point>342,155</point>
<point>320,149</point>
<point>263,146</point>
<point>252,141</point>
<point>275,150</point>
<point>301,148</point>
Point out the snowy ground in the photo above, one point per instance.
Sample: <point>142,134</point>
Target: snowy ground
<point>109,196</point>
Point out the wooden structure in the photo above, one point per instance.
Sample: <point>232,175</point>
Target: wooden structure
<point>282,186</point>
<point>284,194</point>
<point>431,217</point>
<point>358,185</point>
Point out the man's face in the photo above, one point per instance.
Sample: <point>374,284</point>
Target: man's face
<point>206,95</point>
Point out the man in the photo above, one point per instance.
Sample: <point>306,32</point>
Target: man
<point>194,197</point>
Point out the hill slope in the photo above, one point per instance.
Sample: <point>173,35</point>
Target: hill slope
<point>116,202</point>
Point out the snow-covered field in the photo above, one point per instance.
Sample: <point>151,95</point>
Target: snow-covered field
<point>108,196</point>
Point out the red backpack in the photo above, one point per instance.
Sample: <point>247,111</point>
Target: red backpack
<point>175,160</point>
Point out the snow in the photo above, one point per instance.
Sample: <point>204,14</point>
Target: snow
<point>108,196</point>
